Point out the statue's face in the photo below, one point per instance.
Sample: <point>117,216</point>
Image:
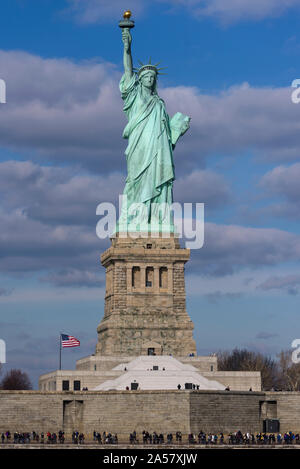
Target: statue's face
<point>148,80</point>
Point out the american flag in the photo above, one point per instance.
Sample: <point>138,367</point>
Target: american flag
<point>69,341</point>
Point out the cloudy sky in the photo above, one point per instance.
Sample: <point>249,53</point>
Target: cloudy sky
<point>230,65</point>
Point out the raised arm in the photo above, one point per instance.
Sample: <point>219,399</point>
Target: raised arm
<point>127,58</point>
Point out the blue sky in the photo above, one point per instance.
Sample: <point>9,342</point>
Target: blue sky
<point>230,66</point>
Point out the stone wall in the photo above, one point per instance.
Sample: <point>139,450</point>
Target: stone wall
<point>286,407</point>
<point>162,411</point>
<point>115,411</point>
<point>27,410</point>
<point>225,411</point>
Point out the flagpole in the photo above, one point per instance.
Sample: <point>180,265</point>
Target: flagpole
<point>60,351</point>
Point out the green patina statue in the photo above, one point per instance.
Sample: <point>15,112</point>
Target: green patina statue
<point>152,137</point>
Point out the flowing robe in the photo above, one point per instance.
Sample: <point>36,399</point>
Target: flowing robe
<point>149,155</point>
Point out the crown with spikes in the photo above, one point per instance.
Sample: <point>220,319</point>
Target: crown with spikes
<point>149,66</point>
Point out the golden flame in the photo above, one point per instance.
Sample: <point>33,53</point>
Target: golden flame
<point>127,15</point>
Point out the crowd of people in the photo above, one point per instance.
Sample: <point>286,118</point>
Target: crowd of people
<point>106,438</point>
<point>153,438</point>
<point>239,438</point>
<point>27,438</point>
<point>77,438</point>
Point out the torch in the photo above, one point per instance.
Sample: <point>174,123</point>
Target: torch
<point>126,22</point>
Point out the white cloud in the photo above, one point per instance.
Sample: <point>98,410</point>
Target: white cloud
<point>28,245</point>
<point>226,11</point>
<point>203,186</point>
<point>56,195</point>
<point>216,296</point>
<point>289,283</point>
<point>72,112</point>
<point>283,181</point>
<point>48,219</point>
<point>230,11</point>
<point>58,296</point>
<point>62,110</point>
<point>99,11</point>
<point>239,119</point>
<point>237,284</point>
<point>74,278</point>
<point>48,212</point>
<point>230,248</point>
<point>5,292</point>
<point>63,196</point>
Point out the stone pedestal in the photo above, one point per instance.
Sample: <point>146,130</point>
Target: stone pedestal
<point>145,299</point>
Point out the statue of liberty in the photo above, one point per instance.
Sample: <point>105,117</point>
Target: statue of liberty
<point>152,137</point>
